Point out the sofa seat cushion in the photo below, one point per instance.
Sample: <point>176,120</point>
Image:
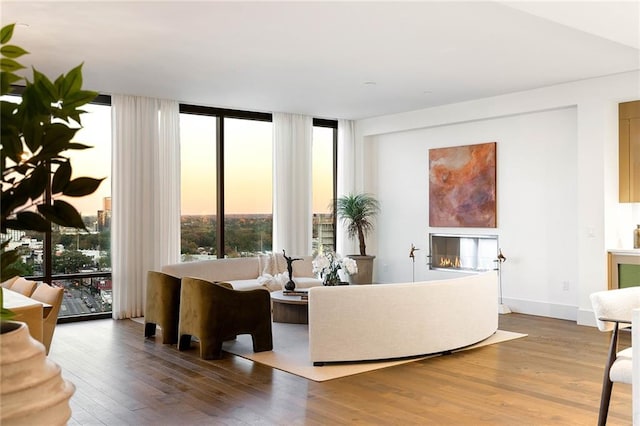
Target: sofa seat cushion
<point>306,282</point>
<point>252,284</point>
<point>278,281</point>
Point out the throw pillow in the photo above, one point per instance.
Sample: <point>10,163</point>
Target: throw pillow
<point>265,263</point>
<point>304,267</point>
<point>280,264</point>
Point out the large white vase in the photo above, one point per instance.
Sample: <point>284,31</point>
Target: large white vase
<point>32,390</point>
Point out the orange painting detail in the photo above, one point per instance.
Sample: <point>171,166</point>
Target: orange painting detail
<point>462,186</point>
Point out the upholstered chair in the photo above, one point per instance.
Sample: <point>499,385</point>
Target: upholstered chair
<point>24,286</point>
<point>162,306</point>
<point>613,310</point>
<point>8,283</point>
<point>214,312</point>
<point>53,296</point>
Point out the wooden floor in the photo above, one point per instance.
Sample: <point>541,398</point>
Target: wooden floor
<point>551,377</point>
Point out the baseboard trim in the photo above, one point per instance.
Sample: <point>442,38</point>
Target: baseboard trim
<point>587,317</point>
<point>552,310</point>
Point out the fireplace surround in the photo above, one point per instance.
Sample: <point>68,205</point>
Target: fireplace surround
<point>463,253</point>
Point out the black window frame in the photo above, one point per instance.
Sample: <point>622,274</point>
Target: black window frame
<point>47,267</point>
<point>220,114</point>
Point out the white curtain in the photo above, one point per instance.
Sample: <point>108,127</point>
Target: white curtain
<point>346,178</point>
<point>145,196</point>
<point>292,210</point>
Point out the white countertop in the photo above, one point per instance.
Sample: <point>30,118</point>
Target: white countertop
<point>631,252</point>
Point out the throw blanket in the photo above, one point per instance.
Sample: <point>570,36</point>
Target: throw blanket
<point>273,267</point>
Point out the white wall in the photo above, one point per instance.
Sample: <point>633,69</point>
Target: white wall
<point>557,188</point>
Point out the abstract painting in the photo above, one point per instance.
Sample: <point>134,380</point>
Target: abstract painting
<point>462,186</point>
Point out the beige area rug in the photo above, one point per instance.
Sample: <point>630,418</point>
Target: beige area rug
<point>291,353</point>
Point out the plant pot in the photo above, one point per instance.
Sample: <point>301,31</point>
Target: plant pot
<point>32,390</point>
<point>365,269</point>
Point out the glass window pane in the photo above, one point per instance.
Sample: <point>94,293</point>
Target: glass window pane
<point>92,248</point>
<point>76,251</point>
<point>322,187</point>
<point>248,220</point>
<point>87,252</point>
<point>30,244</point>
<point>198,186</point>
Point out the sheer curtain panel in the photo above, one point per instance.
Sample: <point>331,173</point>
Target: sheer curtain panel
<point>346,178</point>
<point>145,196</point>
<point>292,210</point>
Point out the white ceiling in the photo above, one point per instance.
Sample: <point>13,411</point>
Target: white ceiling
<point>327,59</point>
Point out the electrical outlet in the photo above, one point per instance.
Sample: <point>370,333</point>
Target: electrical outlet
<point>565,285</point>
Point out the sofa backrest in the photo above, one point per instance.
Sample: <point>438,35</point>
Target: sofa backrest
<point>396,320</point>
<point>237,268</point>
<point>304,267</point>
<point>275,263</point>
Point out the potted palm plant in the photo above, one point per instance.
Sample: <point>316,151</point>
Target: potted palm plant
<point>36,133</point>
<point>357,212</point>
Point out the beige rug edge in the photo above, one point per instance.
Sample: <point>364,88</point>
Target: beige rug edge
<point>292,356</point>
<point>297,362</point>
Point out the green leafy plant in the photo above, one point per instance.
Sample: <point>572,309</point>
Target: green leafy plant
<point>357,212</point>
<point>36,134</point>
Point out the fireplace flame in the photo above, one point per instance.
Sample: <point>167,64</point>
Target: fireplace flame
<point>445,262</point>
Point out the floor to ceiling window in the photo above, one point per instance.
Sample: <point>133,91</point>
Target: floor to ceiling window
<point>324,185</point>
<point>226,173</point>
<point>248,177</point>
<point>227,178</point>
<point>198,186</point>
<point>76,260</point>
<point>226,183</point>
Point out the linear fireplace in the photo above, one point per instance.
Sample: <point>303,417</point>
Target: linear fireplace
<point>463,253</point>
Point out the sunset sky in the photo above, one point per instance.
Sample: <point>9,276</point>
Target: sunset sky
<point>248,161</point>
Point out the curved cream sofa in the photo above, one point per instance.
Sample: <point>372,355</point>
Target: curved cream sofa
<point>248,273</point>
<point>382,321</point>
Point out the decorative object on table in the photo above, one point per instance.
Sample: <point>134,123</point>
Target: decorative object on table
<point>462,186</point>
<point>502,308</point>
<point>636,237</point>
<point>328,265</point>
<point>357,212</point>
<point>412,256</point>
<point>290,285</point>
<point>37,137</point>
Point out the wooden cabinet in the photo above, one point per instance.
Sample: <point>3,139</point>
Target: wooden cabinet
<point>624,268</point>
<point>629,151</point>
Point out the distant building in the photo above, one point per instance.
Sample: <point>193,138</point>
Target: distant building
<point>13,234</point>
<point>323,233</point>
<point>104,215</point>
